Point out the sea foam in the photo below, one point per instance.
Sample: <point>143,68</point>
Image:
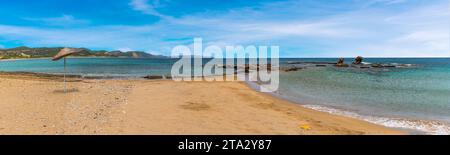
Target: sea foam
<point>427,126</point>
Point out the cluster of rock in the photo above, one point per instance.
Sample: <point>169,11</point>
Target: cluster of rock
<point>341,63</point>
<point>295,66</point>
<point>358,63</point>
<point>154,77</point>
<point>248,67</point>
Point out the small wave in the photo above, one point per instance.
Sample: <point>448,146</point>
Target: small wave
<point>429,127</point>
<point>426,126</point>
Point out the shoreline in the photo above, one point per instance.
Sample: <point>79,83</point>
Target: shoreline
<point>411,126</point>
<point>78,57</point>
<point>286,117</point>
<point>18,59</point>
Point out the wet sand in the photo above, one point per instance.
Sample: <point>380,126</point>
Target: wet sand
<point>37,104</point>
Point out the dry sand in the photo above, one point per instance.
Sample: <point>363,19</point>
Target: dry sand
<point>38,105</point>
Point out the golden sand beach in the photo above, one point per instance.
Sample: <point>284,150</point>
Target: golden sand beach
<point>31,104</point>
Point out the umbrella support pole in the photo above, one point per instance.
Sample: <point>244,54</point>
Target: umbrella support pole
<point>65,88</point>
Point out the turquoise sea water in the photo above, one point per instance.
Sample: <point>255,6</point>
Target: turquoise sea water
<point>416,98</point>
<point>116,67</point>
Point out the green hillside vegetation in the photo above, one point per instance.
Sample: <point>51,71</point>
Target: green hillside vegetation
<point>45,52</point>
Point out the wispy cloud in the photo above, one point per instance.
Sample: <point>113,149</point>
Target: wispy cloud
<point>146,7</point>
<point>63,20</point>
<point>125,49</point>
<point>96,37</point>
<point>415,31</point>
<point>421,32</point>
<point>389,2</point>
<point>383,2</point>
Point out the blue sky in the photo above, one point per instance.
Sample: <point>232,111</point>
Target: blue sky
<point>302,28</point>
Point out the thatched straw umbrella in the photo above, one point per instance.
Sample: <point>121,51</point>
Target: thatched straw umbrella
<point>63,54</point>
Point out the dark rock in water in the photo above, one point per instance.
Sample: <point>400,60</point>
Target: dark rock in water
<point>321,65</point>
<point>153,77</point>
<point>292,69</point>
<point>389,66</point>
<point>358,60</point>
<point>167,77</point>
<point>376,65</point>
<point>247,67</point>
<point>341,63</point>
<point>258,66</point>
<point>294,62</point>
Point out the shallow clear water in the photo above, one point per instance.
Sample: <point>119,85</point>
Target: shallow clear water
<point>421,93</point>
<point>417,98</point>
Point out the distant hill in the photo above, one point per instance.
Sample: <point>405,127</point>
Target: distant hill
<point>42,52</point>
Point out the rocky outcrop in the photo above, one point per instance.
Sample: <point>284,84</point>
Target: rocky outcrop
<point>341,63</point>
<point>291,69</point>
<point>376,65</point>
<point>358,60</point>
<point>153,77</point>
<point>247,67</point>
<point>318,62</point>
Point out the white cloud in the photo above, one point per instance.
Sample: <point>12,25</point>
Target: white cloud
<point>125,49</point>
<point>147,8</point>
<point>389,2</point>
<point>111,37</point>
<point>419,31</point>
<point>63,20</point>
<point>383,2</point>
<point>432,40</point>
